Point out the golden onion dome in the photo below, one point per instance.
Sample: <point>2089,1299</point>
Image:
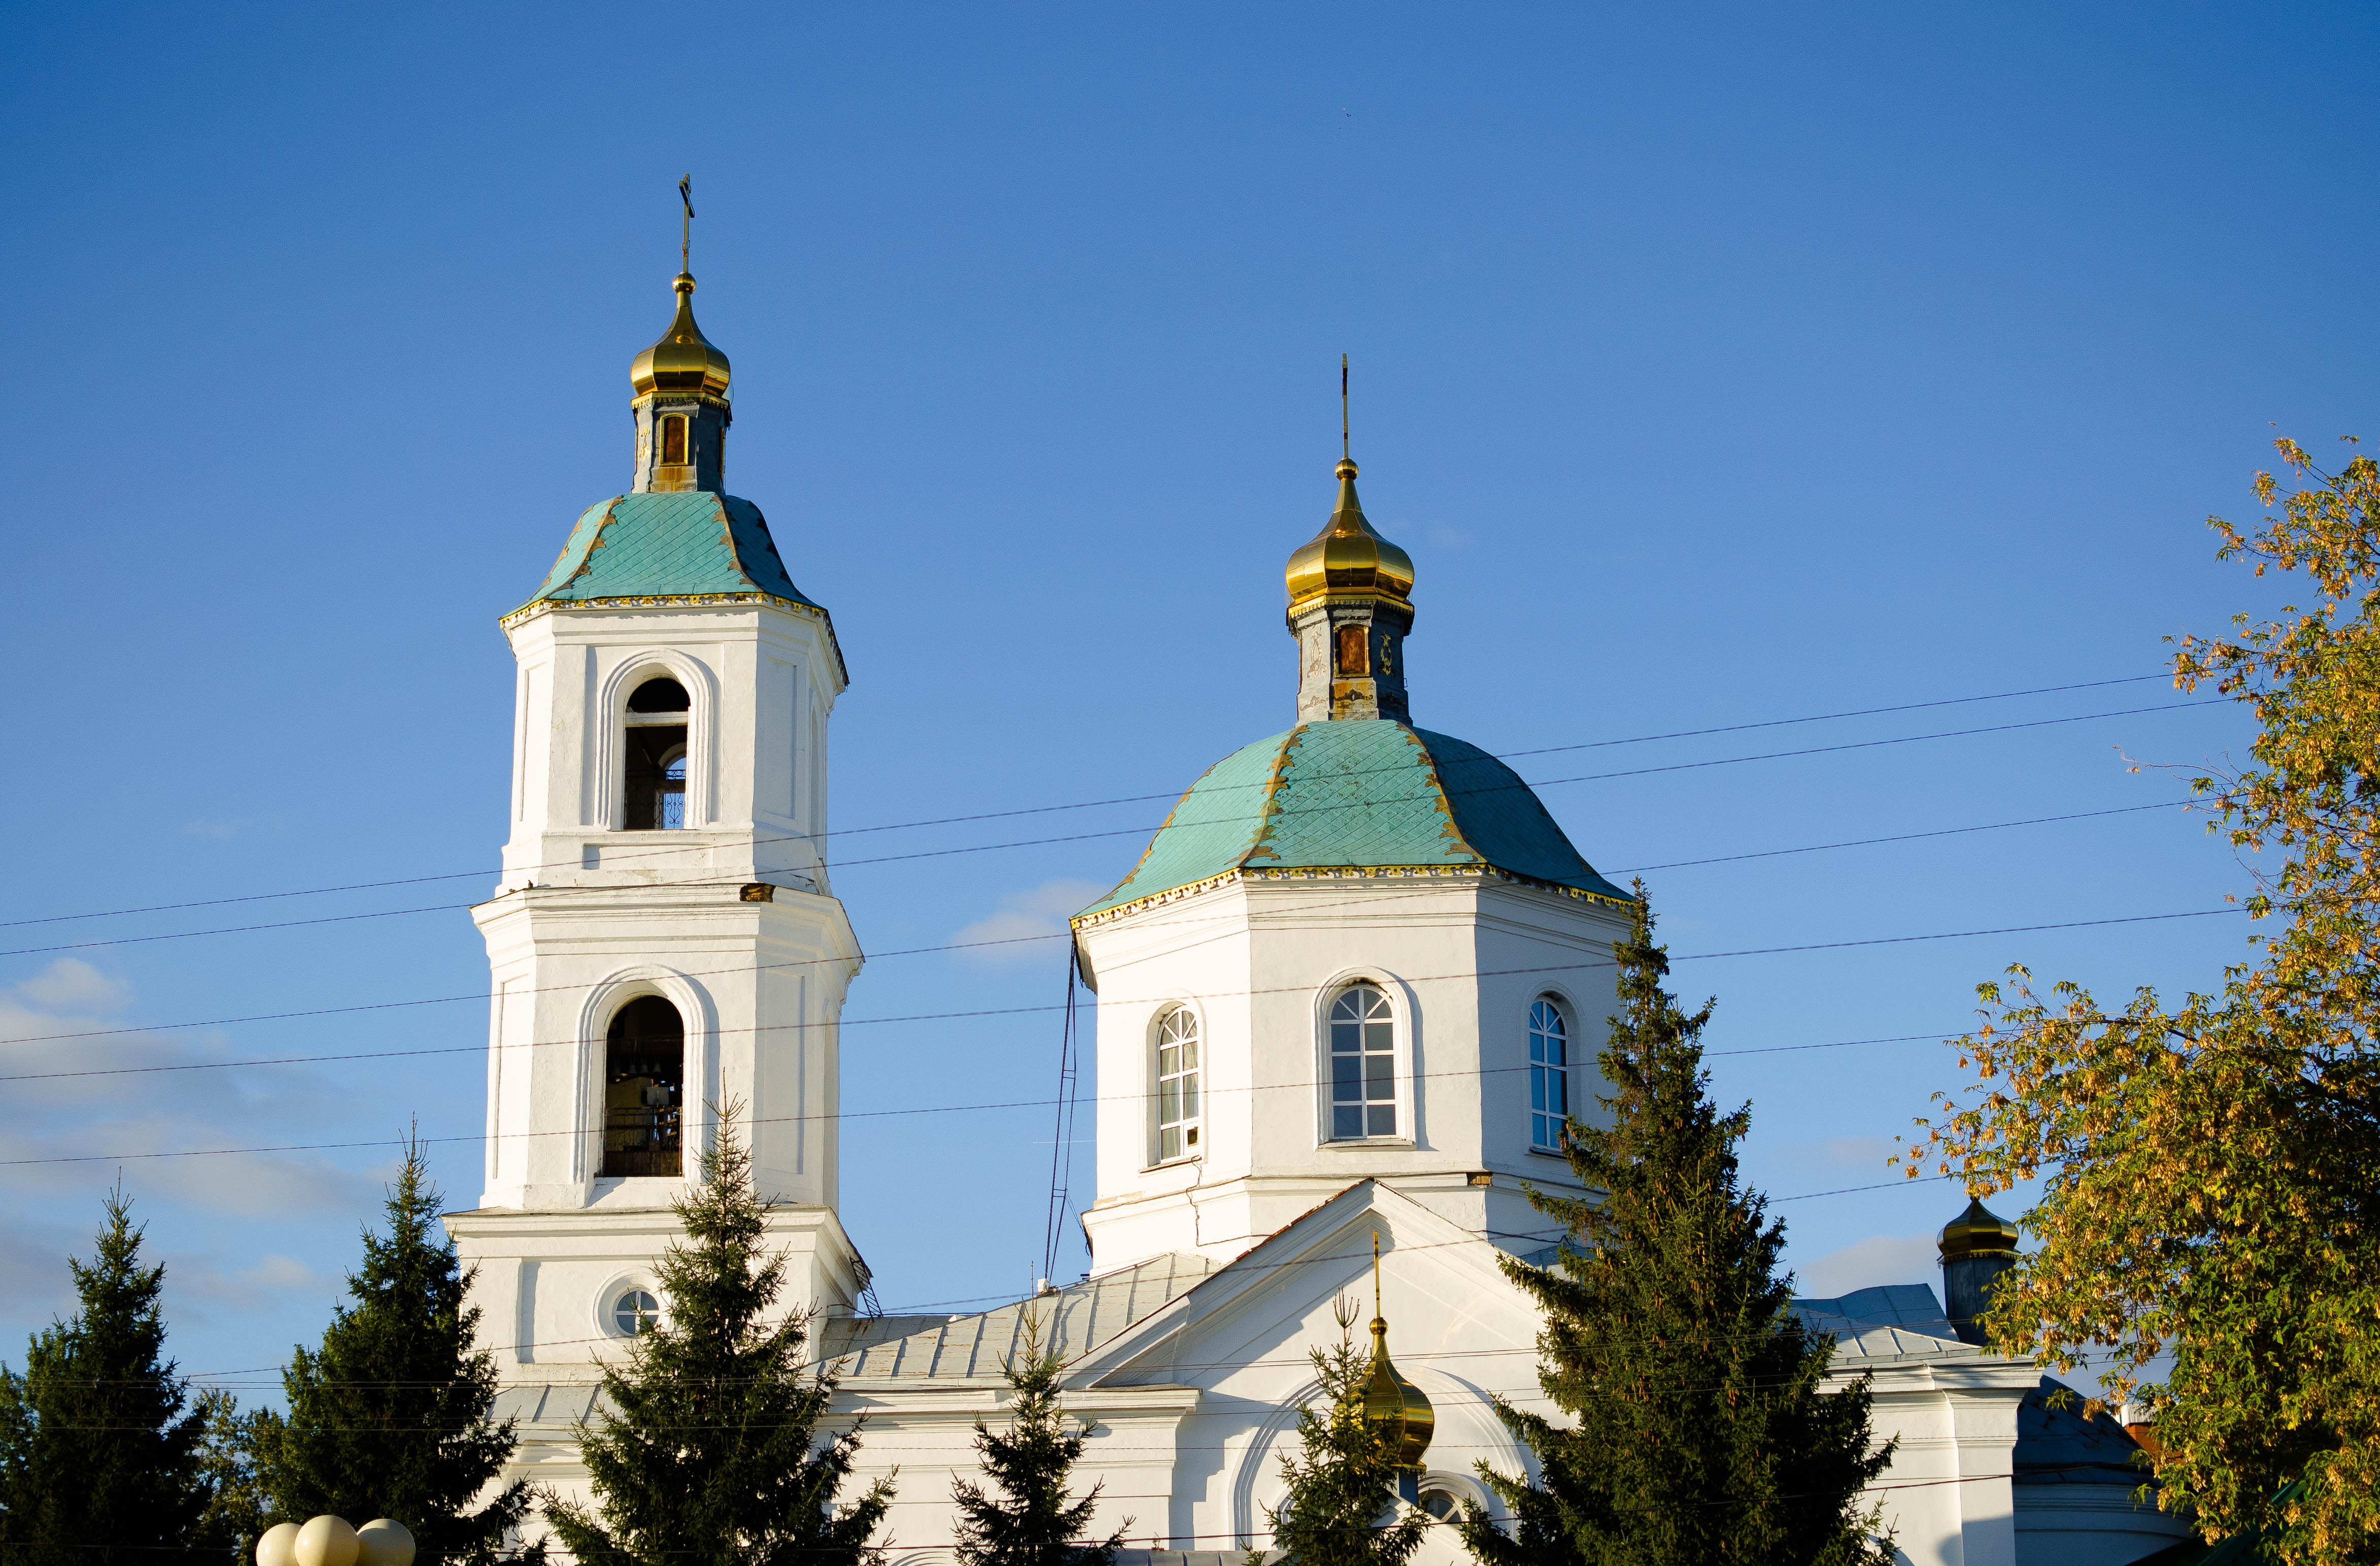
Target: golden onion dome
<point>1348,556</point>
<point>1978,1231</point>
<point>1396,1410</point>
<point>684,360</point>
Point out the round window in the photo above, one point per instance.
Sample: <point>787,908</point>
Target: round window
<point>1441,1504</point>
<point>636,1313</point>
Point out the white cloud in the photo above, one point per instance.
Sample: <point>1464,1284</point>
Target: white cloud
<point>1864,1264</point>
<point>1024,931</point>
<point>68,984</point>
<point>200,1288</point>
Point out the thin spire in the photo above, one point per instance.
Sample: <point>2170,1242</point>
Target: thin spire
<point>1346,454</point>
<point>1379,1320</point>
<point>686,235</point>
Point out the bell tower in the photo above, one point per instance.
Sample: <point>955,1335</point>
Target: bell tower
<point>664,947</point>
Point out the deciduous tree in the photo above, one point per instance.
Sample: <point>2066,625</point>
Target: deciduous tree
<point>2209,1164</point>
<point>1698,1430</point>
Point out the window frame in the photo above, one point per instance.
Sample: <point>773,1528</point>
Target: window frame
<point>1193,1124</point>
<point>1400,1019</point>
<point>621,682</point>
<point>1541,1117</point>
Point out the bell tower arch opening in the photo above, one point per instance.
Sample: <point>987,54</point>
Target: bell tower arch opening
<point>644,1091</point>
<point>655,753</point>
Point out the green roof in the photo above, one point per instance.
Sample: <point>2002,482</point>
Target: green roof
<point>1356,794</point>
<point>689,543</point>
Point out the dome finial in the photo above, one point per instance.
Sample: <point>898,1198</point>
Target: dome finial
<point>684,360</point>
<point>1346,452</point>
<point>1393,1406</point>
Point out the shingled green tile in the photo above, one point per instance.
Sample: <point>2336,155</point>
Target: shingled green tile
<point>687,544</point>
<point>1354,795</point>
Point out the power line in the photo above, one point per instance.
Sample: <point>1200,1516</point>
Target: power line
<point>1043,1103</point>
<point>964,945</point>
<point>1001,1011</point>
<point>1046,809</point>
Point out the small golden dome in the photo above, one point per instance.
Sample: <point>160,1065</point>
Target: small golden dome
<point>1348,556</point>
<point>684,360</point>
<point>1394,1407</point>
<point>1978,1231</point>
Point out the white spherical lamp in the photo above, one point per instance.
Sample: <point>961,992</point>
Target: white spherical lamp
<point>278,1547</point>
<point>326,1541</point>
<point>383,1541</point>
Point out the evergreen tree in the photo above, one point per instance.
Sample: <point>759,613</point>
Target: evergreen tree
<point>1342,1505</point>
<point>1038,1524</point>
<point>1700,1435</point>
<point>704,1456</point>
<point>99,1445</point>
<point>390,1416</point>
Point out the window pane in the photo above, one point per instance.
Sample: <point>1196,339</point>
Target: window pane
<point>1561,1094</point>
<point>1169,1143</point>
<point>1190,1053</point>
<point>1347,1077</point>
<point>1346,1124</point>
<point>1536,1087</point>
<point>1346,1037</point>
<point>1168,1102</point>
<point>1379,1037</point>
<point>1383,1120</point>
<point>1169,1061</point>
<point>1378,1081</point>
<point>1190,1095</point>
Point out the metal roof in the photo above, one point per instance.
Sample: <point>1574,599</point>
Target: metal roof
<point>968,1347</point>
<point>689,543</point>
<point>1356,794</point>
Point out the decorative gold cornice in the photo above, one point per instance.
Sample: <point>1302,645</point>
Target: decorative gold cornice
<point>530,611</point>
<point>1342,872</point>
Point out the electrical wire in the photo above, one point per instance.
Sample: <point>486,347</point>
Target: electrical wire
<point>1005,1011</point>
<point>957,946</point>
<point>1080,805</point>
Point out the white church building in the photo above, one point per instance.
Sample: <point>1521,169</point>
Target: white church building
<point>1345,998</point>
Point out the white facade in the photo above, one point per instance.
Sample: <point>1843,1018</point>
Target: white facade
<point>728,918</point>
<point>1258,962</point>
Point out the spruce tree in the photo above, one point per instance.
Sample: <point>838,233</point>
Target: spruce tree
<point>1698,1434</point>
<point>1341,1507</point>
<point>1037,1523</point>
<point>390,1416</point>
<point>704,1454</point>
<point>100,1461</point>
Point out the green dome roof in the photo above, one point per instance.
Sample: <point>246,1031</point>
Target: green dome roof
<point>688,543</point>
<point>1366,794</point>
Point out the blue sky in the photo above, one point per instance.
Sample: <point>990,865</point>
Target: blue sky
<point>1716,365</point>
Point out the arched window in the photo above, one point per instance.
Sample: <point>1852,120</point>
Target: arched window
<point>644,1090</point>
<point>1177,1084</point>
<point>1363,1064</point>
<point>1548,1075</point>
<point>655,795</point>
